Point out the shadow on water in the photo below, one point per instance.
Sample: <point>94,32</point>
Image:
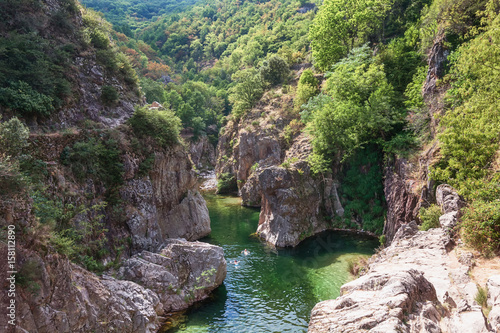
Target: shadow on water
<point>270,290</point>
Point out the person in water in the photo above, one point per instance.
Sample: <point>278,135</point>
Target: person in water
<point>245,252</point>
<point>236,263</point>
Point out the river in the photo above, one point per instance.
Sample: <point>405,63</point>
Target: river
<point>269,290</point>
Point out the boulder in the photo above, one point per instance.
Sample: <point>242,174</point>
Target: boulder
<point>181,274</point>
<point>291,202</point>
<point>380,302</point>
<point>448,199</point>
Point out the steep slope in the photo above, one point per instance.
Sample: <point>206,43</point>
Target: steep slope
<point>59,67</point>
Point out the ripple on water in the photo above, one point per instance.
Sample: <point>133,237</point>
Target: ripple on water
<point>269,290</point>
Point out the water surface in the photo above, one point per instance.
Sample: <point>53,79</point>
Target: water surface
<point>269,290</point>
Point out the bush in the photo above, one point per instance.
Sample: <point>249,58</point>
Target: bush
<point>226,183</point>
<point>161,125</point>
<point>109,95</point>
<point>13,137</point>
<point>95,158</point>
<point>480,226</point>
<point>307,88</point>
<point>275,70</point>
<point>430,217</point>
<point>11,180</point>
<point>21,98</point>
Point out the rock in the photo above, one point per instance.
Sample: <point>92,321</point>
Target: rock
<point>448,221</point>
<point>181,274</point>
<point>71,299</point>
<point>365,302</point>
<point>470,321</point>
<point>202,153</point>
<point>402,203</point>
<point>165,204</point>
<point>467,259</point>
<point>493,286</point>
<point>291,205</point>
<point>448,199</point>
<point>406,230</point>
<point>380,302</point>
<point>436,61</point>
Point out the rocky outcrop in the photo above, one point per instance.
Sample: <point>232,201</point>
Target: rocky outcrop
<point>181,274</point>
<point>294,204</point>
<point>416,260</point>
<point>402,203</point>
<point>62,297</point>
<point>493,286</point>
<point>256,140</point>
<point>58,296</point>
<point>437,58</point>
<point>451,204</point>
<point>202,153</point>
<point>380,302</point>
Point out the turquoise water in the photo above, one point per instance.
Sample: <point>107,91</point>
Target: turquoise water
<point>269,290</point>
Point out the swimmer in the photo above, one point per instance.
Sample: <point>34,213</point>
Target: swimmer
<point>236,263</point>
<point>245,252</point>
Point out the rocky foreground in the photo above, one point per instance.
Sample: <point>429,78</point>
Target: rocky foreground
<point>420,283</point>
<point>71,299</point>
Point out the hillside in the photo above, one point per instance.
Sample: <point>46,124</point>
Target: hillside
<point>379,118</point>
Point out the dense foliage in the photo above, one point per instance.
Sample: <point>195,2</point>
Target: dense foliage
<point>162,125</point>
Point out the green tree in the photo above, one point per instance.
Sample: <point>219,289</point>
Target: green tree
<point>361,108</point>
<point>306,88</point>
<point>342,24</point>
<point>248,90</point>
<point>13,137</point>
<point>274,70</point>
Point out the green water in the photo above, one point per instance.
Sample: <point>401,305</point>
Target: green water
<point>269,290</point>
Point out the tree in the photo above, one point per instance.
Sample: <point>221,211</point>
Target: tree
<point>275,70</point>
<point>13,137</point>
<point>342,24</point>
<point>248,90</point>
<point>307,88</point>
<point>361,108</point>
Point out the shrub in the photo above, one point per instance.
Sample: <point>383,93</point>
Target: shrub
<point>11,180</point>
<point>275,70</point>
<point>226,183</point>
<point>430,217</point>
<point>95,158</point>
<point>13,137</point>
<point>481,226</point>
<point>161,125</point>
<point>109,95</point>
<point>482,296</point>
<point>21,98</point>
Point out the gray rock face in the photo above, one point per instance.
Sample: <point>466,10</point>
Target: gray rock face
<point>440,295</point>
<point>166,204</point>
<point>451,203</point>
<point>493,286</point>
<point>448,198</point>
<point>202,154</point>
<point>436,61</point>
<point>71,299</point>
<point>181,274</point>
<point>402,203</point>
<point>380,302</point>
<point>291,204</point>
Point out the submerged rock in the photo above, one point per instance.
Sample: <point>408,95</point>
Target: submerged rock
<point>181,274</point>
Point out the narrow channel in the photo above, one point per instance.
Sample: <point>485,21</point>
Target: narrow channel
<point>269,290</point>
